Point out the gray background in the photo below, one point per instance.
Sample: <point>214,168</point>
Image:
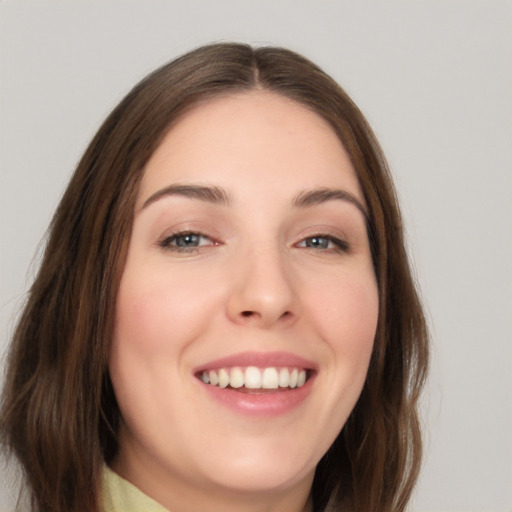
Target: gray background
<point>435,81</point>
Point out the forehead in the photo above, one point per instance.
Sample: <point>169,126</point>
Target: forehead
<point>252,138</point>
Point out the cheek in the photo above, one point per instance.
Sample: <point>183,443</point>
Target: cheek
<point>156,314</point>
<point>157,317</point>
<point>344,312</point>
<point>346,315</point>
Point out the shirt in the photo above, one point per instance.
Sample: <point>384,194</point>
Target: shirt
<point>119,495</point>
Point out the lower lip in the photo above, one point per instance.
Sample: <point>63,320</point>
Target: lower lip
<point>260,404</point>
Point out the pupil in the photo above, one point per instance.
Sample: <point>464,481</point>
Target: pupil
<point>318,242</point>
<point>187,240</point>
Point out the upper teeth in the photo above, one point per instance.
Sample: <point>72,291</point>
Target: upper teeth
<point>255,378</point>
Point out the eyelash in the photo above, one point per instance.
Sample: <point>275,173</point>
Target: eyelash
<point>167,242</point>
<point>339,244</point>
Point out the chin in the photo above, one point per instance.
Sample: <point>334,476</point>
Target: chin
<point>260,478</point>
<point>257,468</point>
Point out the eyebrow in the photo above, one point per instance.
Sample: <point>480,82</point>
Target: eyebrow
<point>217,195</point>
<point>209,194</point>
<point>318,196</point>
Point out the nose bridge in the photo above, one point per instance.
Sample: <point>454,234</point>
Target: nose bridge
<point>264,291</point>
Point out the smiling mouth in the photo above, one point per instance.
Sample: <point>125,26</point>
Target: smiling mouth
<point>252,379</point>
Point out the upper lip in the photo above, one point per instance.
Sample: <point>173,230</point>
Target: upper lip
<point>259,359</point>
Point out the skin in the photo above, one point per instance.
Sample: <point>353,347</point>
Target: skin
<point>256,281</point>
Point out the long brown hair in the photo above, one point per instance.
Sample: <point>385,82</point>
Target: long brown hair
<point>59,415</point>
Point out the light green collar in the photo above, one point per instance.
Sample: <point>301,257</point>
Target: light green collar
<point>119,495</point>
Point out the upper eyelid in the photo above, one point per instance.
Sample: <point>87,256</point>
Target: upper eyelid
<point>189,227</point>
<point>310,232</point>
<point>222,229</point>
<point>324,230</point>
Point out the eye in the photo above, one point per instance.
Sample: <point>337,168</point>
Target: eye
<point>185,241</point>
<point>325,243</point>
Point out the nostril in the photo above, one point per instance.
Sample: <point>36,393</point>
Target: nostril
<point>249,314</point>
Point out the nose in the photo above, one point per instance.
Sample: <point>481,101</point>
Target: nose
<point>263,293</point>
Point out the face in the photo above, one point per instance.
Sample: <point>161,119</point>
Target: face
<point>248,305</point>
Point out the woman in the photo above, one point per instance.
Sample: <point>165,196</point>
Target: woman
<point>224,317</point>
